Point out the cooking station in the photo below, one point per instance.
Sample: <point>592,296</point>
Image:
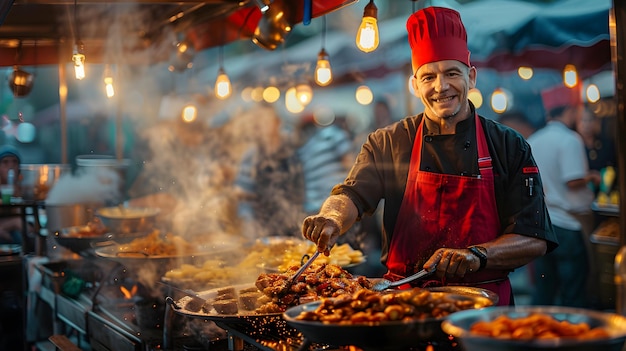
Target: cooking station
<point>101,305</point>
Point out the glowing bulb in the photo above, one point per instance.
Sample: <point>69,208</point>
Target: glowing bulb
<point>367,35</point>
<point>499,100</point>
<point>323,72</point>
<point>304,93</point>
<point>271,94</point>
<point>108,86</point>
<point>257,94</point>
<point>570,76</point>
<point>525,72</point>
<point>222,85</point>
<point>79,63</point>
<point>190,113</point>
<point>593,93</point>
<point>476,97</point>
<point>292,103</point>
<point>364,95</point>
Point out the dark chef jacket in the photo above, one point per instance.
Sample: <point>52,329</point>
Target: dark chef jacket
<point>381,170</point>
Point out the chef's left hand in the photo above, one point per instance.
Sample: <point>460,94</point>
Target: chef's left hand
<point>453,262</point>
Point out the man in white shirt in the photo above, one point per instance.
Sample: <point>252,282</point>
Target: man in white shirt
<point>560,277</point>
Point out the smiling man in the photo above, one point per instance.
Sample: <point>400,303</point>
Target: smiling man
<point>463,195</point>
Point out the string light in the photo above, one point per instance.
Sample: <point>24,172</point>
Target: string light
<point>364,95</point>
<point>525,72</point>
<point>223,88</point>
<point>323,71</point>
<point>79,62</point>
<point>570,76</point>
<point>108,82</point>
<point>78,56</point>
<point>367,35</point>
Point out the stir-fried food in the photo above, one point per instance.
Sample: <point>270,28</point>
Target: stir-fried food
<point>155,244</point>
<point>536,326</point>
<point>366,306</point>
<point>316,282</point>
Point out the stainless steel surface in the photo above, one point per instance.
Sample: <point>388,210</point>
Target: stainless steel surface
<point>38,179</point>
<point>68,215</point>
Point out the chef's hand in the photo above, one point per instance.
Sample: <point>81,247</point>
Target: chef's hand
<point>452,262</point>
<point>322,231</point>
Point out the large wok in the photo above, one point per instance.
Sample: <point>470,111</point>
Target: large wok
<point>383,336</point>
<point>248,322</point>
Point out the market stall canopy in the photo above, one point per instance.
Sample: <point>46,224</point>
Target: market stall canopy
<point>502,35</point>
<point>39,32</point>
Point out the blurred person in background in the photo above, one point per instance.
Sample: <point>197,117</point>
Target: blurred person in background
<point>560,277</point>
<point>268,182</point>
<point>11,227</point>
<point>458,201</point>
<point>518,121</point>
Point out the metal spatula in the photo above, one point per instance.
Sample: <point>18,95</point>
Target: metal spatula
<point>386,284</point>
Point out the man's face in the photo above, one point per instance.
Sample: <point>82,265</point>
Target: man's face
<point>6,163</point>
<point>443,87</point>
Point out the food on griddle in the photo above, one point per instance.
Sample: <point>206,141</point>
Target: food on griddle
<point>195,304</point>
<point>226,293</point>
<point>536,326</point>
<point>227,306</point>
<point>207,307</point>
<point>249,301</point>
<point>370,307</point>
<point>316,282</point>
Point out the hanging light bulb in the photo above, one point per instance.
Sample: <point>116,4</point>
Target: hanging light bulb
<point>292,103</point>
<point>323,72</point>
<point>499,100</point>
<point>222,85</point>
<point>271,94</point>
<point>525,72</point>
<point>570,76</point>
<point>223,88</point>
<point>364,95</point>
<point>304,93</point>
<point>593,93</point>
<point>108,82</point>
<point>79,61</point>
<point>367,35</point>
<point>189,114</point>
<point>476,97</point>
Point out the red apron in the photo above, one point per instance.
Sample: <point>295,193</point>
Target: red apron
<point>443,210</point>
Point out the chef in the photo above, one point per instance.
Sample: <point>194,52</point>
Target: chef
<point>463,194</point>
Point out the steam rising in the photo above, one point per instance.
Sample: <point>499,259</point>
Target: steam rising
<point>100,185</point>
<point>203,168</point>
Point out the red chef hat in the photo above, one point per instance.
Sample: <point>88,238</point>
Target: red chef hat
<point>560,96</point>
<point>436,34</point>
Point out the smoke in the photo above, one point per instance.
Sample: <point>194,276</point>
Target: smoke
<point>203,167</point>
<point>97,185</point>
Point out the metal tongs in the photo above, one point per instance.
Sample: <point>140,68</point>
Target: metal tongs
<point>384,284</point>
<point>298,273</point>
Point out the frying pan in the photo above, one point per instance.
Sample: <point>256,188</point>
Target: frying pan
<point>384,336</point>
<point>71,239</point>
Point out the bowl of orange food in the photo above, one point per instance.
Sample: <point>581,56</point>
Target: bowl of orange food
<point>517,328</point>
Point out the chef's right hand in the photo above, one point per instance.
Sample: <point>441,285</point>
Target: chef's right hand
<point>322,231</point>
